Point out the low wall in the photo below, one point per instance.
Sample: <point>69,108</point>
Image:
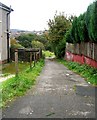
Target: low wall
<point>80,59</point>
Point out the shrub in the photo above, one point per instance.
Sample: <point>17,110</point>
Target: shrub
<point>68,36</point>
<point>37,44</point>
<point>57,29</point>
<point>15,44</point>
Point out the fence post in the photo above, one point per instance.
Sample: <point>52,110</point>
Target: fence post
<point>34,58</point>
<point>40,53</point>
<point>30,60</point>
<point>16,61</point>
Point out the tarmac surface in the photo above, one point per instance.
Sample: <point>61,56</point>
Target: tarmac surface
<point>58,93</point>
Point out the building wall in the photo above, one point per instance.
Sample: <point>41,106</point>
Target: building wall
<point>0,34</point>
<point>3,36</point>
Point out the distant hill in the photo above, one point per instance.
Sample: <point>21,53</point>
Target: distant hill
<point>18,30</point>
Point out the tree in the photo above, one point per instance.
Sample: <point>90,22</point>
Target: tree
<point>68,37</point>
<point>84,27</point>
<point>26,39</point>
<point>89,20</point>
<point>15,44</point>
<point>37,44</point>
<point>94,22</point>
<point>82,30</point>
<point>57,29</point>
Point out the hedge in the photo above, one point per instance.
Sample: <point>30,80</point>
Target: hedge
<point>84,27</point>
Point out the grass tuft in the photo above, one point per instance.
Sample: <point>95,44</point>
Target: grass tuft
<point>89,73</point>
<point>17,86</point>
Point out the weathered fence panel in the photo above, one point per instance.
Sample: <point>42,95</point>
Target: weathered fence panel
<point>87,49</point>
<point>82,53</point>
<point>95,52</point>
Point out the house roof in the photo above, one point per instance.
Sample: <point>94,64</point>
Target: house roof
<point>6,8</point>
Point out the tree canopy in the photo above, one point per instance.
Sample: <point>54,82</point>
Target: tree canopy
<point>26,39</point>
<point>84,27</point>
<point>57,29</point>
<point>37,44</point>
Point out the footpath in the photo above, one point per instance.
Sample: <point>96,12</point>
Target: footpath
<point>58,93</point>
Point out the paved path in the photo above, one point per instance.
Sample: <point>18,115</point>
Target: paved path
<point>58,93</point>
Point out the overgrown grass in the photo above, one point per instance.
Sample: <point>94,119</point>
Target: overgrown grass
<point>48,54</point>
<point>89,73</point>
<point>10,67</point>
<point>17,86</point>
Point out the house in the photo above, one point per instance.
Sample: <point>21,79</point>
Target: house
<point>4,33</point>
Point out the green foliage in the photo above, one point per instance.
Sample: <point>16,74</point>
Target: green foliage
<point>15,44</point>
<point>74,31</point>
<point>94,22</point>
<point>37,44</point>
<point>47,44</point>
<point>26,39</point>
<point>89,20</point>
<point>60,49</point>
<point>89,73</point>
<point>68,36</point>
<point>82,30</point>
<point>84,27</point>
<point>41,38</point>
<point>48,54</point>
<point>10,67</point>
<point>57,29</point>
<point>17,86</point>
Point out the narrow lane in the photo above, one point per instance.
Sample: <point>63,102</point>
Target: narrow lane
<point>58,93</point>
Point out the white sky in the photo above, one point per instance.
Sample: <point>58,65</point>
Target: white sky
<point>34,14</point>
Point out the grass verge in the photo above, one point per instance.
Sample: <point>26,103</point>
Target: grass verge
<point>89,73</point>
<point>10,67</point>
<point>17,86</point>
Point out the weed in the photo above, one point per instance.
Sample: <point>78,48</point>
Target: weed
<point>48,54</point>
<point>89,73</point>
<point>17,86</point>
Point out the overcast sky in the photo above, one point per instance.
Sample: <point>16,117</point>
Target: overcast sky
<point>34,14</point>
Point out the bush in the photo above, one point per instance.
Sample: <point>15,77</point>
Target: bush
<point>60,49</point>
<point>15,44</point>
<point>68,36</point>
<point>48,54</point>
<point>26,39</point>
<point>37,44</point>
<point>57,29</point>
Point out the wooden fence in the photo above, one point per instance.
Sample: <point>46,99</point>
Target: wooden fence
<point>87,49</point>
<point>36,52</point>
<point>84,53</point>
<point>23,55</point>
